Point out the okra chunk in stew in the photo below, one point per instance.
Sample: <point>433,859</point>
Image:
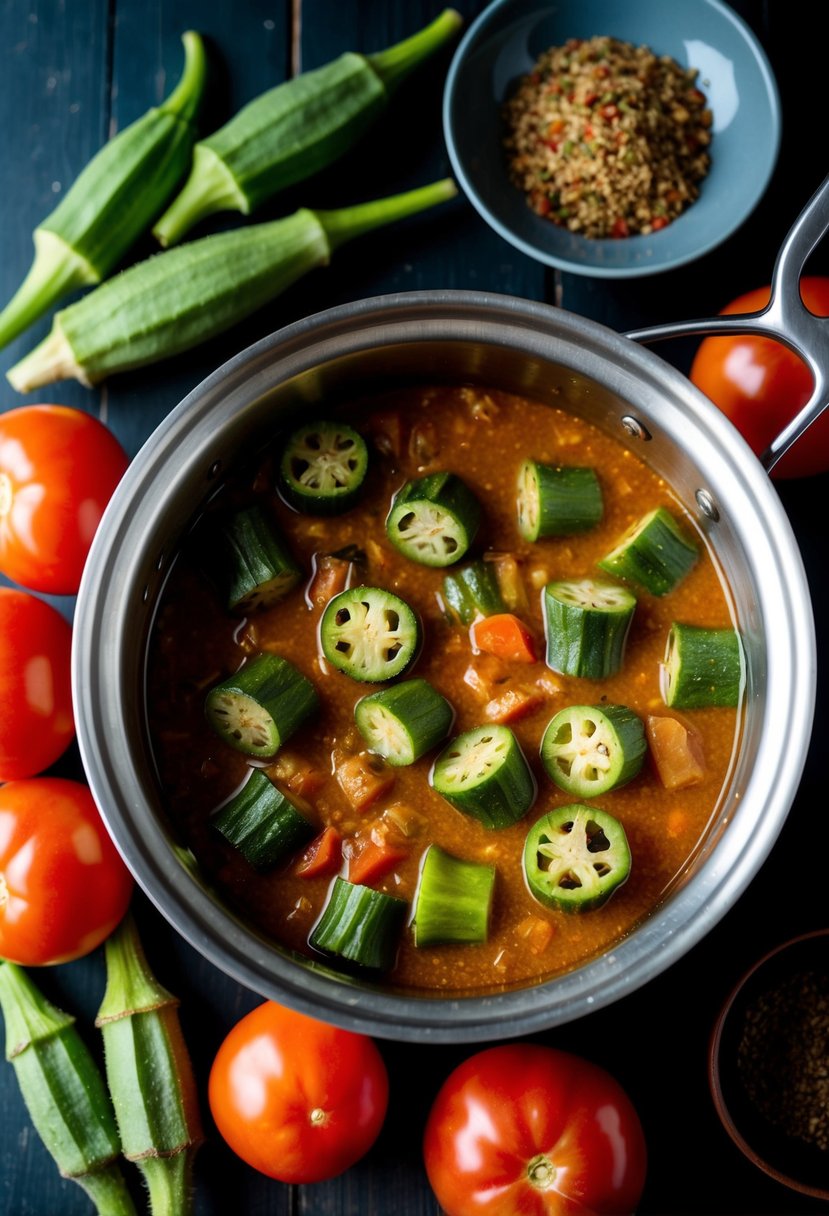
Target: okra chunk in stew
<point>443,688</point>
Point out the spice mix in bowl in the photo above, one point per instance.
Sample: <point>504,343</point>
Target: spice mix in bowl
<point>612,140</point>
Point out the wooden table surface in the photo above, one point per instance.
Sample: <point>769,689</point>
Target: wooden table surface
<point>72,72</point>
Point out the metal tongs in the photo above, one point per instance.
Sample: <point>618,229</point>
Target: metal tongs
<point>784,319</point>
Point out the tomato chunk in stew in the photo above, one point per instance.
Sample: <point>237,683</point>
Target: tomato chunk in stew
<point>475,698</point>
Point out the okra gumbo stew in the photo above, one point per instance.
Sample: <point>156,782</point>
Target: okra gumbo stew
<point>443,689</point>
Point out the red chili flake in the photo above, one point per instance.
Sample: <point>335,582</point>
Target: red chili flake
<point>658,222</point>
<point>588,132</point>
<point>620,228</point>
<point>541,205</point>
<point>591,99</point>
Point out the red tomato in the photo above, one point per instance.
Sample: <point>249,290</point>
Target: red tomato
<point>297,1099</point>
<point>63,885</point>
<point>36,722</point>
<point>58,468</point>
<point>760,385</point>
<point>527,1129</point>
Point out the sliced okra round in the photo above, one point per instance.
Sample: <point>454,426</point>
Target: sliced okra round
<point>575,857</point>
<point>433,519</point>
<point>323,467</point>
<point>403,722</point>
<point>261,705</point>
<point>655,553</point>
<point>555,500</point>
<point>590,749</point>
<point>702,667</point>
<point>586,624</point>
<point>484,773</point>
<point>453,899</point>
<point>369,634</point>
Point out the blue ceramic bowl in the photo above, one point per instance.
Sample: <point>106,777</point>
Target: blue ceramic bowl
<point>504,42</point>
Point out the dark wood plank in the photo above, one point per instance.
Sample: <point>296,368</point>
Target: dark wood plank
<point>53,115</point>
<point>54,111</point>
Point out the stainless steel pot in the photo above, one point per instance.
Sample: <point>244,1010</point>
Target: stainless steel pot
<point>552,356</point>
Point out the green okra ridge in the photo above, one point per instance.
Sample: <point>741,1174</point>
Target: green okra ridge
<point>131,986</point>
<point>30,1018</point>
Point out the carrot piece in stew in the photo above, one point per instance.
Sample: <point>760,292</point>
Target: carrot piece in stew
<point>372,861</point>
<point>363,779</point>
<point>323,856</point>
<point>506,637</point>
<point>677,752</point>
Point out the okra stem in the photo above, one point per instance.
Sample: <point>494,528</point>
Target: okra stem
<point>113,200</point>
<point>397,61</point>
<point>149,1073</point>
<point>64,1091</point>
<point>176,300</point>
<point>349,222</point>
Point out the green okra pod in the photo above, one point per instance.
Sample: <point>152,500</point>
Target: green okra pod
<point>149,1074</point>
<point>294,130</point>
<point>113,201</point>
<point>178,299</point>
<point>64,1091</point>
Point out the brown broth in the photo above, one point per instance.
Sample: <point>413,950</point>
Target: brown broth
<point>483,437</point>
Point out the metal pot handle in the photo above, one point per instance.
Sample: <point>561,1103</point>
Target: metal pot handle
<point>785,318</point>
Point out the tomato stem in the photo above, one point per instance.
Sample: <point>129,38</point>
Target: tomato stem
<point>541,1172</point>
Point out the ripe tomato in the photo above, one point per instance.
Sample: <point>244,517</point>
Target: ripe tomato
<point>297,1099</point>
<point>63,885</point>
<point>58,468</point>
<point>760,385</point>
<point>36,722</point>
<point>527,1129</point>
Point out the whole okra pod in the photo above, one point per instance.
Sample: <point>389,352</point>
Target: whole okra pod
<point>113,201</point>
<point>178,299</point>
<point>64,1091</point>
<point>294,130</point>
<point>149,1074</point>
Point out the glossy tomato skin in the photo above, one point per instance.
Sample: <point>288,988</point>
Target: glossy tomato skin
<point>526,1130</point>
<point>297,1099</point>
<point>36,721</point>
<point>63,885</point>
<point>760,385</point>
<point>58,469</point>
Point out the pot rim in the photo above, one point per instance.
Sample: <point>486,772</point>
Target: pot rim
<point>111,582</point>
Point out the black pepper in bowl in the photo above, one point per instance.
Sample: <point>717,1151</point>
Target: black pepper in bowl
<point>769,1064</point>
